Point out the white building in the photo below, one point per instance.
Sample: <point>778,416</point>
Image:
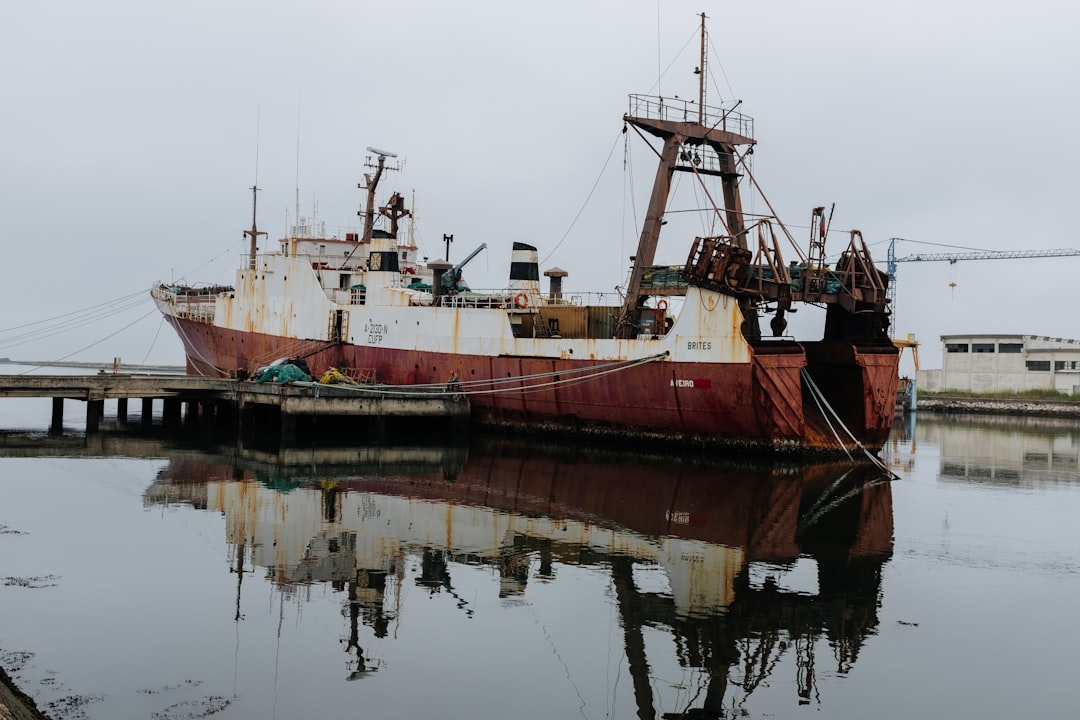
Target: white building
<point>996,363</point>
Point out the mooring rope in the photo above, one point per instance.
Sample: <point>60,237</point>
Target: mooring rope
<point>823,405</point>
<point>818,401</point>
<point>497,385</point>
<point>87,347</point>
<point>180,329</point>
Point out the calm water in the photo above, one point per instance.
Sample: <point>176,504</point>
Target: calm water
<point>140,578</point>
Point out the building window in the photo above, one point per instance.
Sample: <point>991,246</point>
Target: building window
<point>1038,365</point>
<point>982,348</point>
<point>1011,347</point>
<point>956,347</point>
<point>1066,364</point>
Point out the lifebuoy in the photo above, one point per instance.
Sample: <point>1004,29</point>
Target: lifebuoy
<point>521,300</point>
<point>661,305</point>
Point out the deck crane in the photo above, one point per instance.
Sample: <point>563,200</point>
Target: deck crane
<point>953,257</point>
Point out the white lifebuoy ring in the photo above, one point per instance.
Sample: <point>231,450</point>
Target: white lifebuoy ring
<point>661,305</point>
<point>521,300</point>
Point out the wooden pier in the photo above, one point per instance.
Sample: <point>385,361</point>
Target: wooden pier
<point>189,399</point>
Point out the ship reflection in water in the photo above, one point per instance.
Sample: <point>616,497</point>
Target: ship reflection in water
<point>729,575</point>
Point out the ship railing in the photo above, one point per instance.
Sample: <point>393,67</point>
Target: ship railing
<point>655,107</point>
<point>322,261</point>
<point>507,298</point>
<point>477,299</point>
<point>194,307</point>
<point>202,312</point>
<point>588,299</point>
<point>193,303</point>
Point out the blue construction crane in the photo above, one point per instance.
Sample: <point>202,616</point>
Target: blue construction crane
<point>952,257</point>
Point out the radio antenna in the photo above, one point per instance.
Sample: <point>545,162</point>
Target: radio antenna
<point>296,218</point>
<point>254,233</point>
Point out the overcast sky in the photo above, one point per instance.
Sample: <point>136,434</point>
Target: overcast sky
<point>130,132</point>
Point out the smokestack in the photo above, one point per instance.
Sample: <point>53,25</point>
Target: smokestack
<point>524,269</point>
<point>556,274</point>
<point>438,268</point>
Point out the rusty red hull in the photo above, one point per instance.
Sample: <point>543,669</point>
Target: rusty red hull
<point>763,404</point>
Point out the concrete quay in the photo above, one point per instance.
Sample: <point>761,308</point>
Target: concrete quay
<point>188,399</point>
<point>999,406</point>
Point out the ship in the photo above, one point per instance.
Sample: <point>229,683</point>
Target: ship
<point>693,354</point>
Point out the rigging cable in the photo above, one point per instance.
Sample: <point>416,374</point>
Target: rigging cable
<point>77,319</point>
<point>73,312</point>
<point>717,55</point>
<point>586,203</point>
<point>96,342</point>
<point>744,162</point>
<point>656,85</point>
<point>72,320</point>
<point>154,341</point>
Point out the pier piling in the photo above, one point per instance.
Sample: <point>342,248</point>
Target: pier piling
<point>194,401</point>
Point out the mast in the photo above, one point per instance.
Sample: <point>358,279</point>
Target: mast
<point>412,222</point>
<point>701,76</point>
<point>395,210</point>
<point>369,212</point>
<point>372,184</point>
<point>253,233</point>
<point>704,146</point>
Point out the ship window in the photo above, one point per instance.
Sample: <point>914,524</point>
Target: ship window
<point>1038,365</point>
<point>1010,347</point>
<point>956,347</point>
<point>982,348</point>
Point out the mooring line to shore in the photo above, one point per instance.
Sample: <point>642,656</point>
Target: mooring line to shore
<point>472,387</point>
<point>187,343</point>
<point>96,342</point>
<point>823,405</point>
